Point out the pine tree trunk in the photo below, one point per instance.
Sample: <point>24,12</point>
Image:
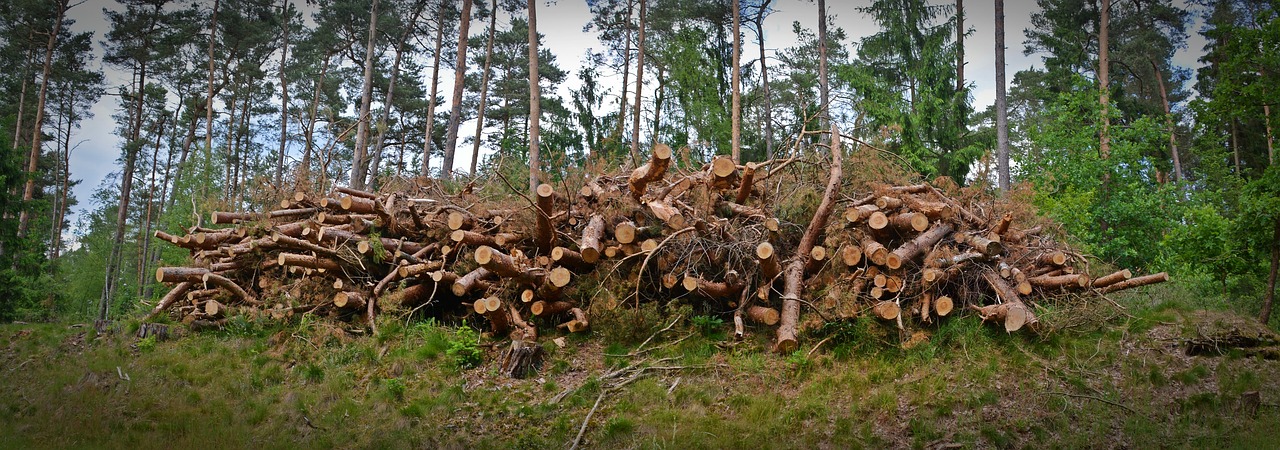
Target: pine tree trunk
<point>1002,102</point>
<point>391,93</point>
<point>737,82</point>
<point>1168,118</point>
<point>626,75</point>
<point>535,100</point>
<point>284,95</point>
<point>764,82</point>
<point>635,112</point>
<point>959,45</point>
<point>208,113</point>
<point>459,75</point>
<point>435,86</point>
<point>823,88</point>
<point>33,160</point>
<point>484,86</point>
<point>359,163</point>
<point>304,174</point>
<point>1104,70</point>
<point>145,230</point>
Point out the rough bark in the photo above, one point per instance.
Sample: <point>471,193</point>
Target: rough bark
<point>635,111</point>
<point>484,84</point>
<point>1002,103</point>
<point>455,108</point>
<point>359,164</point>
<point>535,104</point>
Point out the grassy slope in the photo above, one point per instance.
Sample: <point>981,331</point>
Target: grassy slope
<point>1125,384</point>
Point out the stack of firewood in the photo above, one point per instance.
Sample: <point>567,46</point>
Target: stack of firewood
<point>708,235</point>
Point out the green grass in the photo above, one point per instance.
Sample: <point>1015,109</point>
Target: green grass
<point>300,385</point>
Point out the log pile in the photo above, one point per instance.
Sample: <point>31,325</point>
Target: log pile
<point>712,235</point>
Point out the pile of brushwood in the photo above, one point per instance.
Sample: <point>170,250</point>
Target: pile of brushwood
<point>742,241</point>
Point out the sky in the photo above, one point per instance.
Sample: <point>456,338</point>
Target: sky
<point>561,22</point>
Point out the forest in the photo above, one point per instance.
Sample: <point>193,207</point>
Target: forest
<point>286,131</point>
<point>231,105</point>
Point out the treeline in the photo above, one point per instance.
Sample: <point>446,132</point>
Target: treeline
<point>228,103</point>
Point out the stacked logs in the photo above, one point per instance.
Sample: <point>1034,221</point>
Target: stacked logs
<point>706,235</point>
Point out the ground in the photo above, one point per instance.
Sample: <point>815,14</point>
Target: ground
<point>1127,381</point>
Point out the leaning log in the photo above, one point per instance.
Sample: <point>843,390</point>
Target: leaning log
<point>914,248</point>
<point>794,276</point>
<point>659,160</point>
<point>1136,282</point>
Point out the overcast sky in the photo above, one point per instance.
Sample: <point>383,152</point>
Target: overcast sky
<point>561,22</point>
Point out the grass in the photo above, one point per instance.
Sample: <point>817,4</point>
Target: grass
<point>301,385</point>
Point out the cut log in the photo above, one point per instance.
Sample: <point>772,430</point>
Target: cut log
<point>851,255</point>
<point>914,248</point>
<point>794,274</point>
<point>909,222</point>
<point>358,205</point>
<point>859,214</point>
<point>1002,227</point>
<point>887,310</point>
<point>497,262</point>
<point>728,289</point>
<point>932,210</point>
<point>545,234</point>
<point>307,261</point>
<point>413,270</point>
<point>545,308</point>
<point>472,239</point>
<point>659,160</point>
<point>1053,257</point>
<point>762,315</point>
<point>458,220</point>
<point>1116,277</point>
<point>1011,311</point>
<point>723,171</point>
<point>178,292</point>
<point>472,281</point>
<point>349,300</point>
<point>571,260</point>
<point>591,235</point>
<point>769,267</point>
<point>666,213</point>
<point>986,246</point>
<point>179,274</point>
<point>943,306</point>
<point>579,322</point>
<point>886,203</point>
<point>744,190</point>
<point>878,220</point>
<point>874,251</point>
<point>1061,281</point>
<point>1136,282</point>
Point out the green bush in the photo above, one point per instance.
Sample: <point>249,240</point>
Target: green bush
<point>464,348</point>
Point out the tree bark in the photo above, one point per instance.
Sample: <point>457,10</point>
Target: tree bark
<point>208,99</point>
<point>823,87</point>
<point>284,94</point>
<point>764,82</point>
<point>484,86</point>
<point>1104,71</point>
<point>33,159</point>
<point>435,86</point>
<point>1002,102</point>
<point>459,76</point>
<point>535,103</point>
<point>959,45</point>
<point>635,112</point>
<point>794,272</point>
<point>358,162</point>
<point>391,95</point>
<point>736,142</point>
<point>1168,118</point>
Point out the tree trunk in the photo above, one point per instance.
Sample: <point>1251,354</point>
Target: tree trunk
<point>459,74</point>
<point>435,86</point>
<point>823,87</point>
<point>635,112</point>
<point>959,45</point>
<point>33,159</point>
<point>284,94</point>
<point>359,163</point>
<point>1269,299</point>
<point>1002,102</point>
<point>737,82</point>
<point>1104,71</point>
<point>208,99</point>
<point>764,82</point>
<point>1168,118</point>
<point>484,86</point>
<point>626,73</point>
<point>794,273</point>
<point>535,103</point>
<point>305,173</point>
<point>391,93</point>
